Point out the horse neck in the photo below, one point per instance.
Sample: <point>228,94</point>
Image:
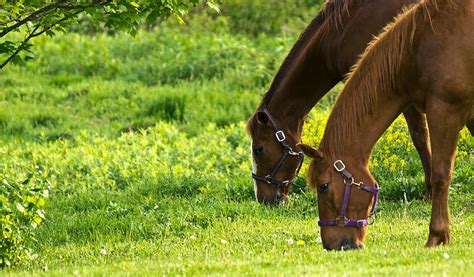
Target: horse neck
<point>375,93</point>
<point>313,68</point>
<point>352,129</point>
<point>308,79</point>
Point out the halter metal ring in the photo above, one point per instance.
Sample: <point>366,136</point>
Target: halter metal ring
<point>350,181</point>
<point>341,221</point>
<point>290,151</point>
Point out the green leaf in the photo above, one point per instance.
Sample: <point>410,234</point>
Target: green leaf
<point>40,202</point>
<point>180,19</point>
<point>134,4</point>
<point>40,214</point>
<point>213,6</point>
<point>37,219</point>
<point>20,208</point>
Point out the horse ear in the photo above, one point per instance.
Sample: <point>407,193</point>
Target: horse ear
<point>262,118</point>
<point>310,151</point>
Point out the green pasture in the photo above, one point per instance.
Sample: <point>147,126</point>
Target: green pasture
<point>128,156</point>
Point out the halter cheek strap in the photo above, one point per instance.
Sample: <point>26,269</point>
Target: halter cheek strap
<point>342,220</point>
<point>287,151</point>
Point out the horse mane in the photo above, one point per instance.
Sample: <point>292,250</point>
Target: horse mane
<point>335,11</point>
<point>378,72</point>
<point>329,18</point>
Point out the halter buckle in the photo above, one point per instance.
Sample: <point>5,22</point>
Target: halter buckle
<point>280,135</point>
<point>341,221</point>
<point>339,165</point>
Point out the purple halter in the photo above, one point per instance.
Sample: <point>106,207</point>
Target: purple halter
<point>342,220</point>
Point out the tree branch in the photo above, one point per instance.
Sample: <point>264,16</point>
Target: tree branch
<point>34,34</point>
<point>47,9</point>
<point>19,48</point>
<point>31,17</point>
<point>8,21</point>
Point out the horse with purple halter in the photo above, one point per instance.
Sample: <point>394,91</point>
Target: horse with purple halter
<point>404,66</point>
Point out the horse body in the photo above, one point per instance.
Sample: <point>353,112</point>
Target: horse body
<point>320,59</point>
<point>424,59</point>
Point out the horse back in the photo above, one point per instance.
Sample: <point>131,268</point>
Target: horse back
<point>445,57</point>
<point>365,22</point>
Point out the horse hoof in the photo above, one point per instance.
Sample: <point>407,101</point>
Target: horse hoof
<point>434,241</point>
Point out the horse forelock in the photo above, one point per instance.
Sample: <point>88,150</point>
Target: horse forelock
<point>377,72</point>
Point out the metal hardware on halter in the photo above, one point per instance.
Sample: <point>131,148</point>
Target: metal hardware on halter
<point>287,150</point>
<point>350,181</point>
<point>341,221</point>
<point>339,165</point>
<point>292,153</point>
<point>269,180</point>
<point>358,185</point>
<point>280,136</point>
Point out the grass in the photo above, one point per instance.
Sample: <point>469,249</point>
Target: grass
<point>146,161</point>
<point>125,206</point>
<point>207,234</point>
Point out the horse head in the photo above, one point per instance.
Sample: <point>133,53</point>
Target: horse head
<point>275,159</point>
<point>344,204</point>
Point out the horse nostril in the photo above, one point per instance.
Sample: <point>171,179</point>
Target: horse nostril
<point>347,244</point>
<point>281,198</point>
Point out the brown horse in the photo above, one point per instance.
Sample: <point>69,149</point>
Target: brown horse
<point>426,59</point>
<point>320,58</point>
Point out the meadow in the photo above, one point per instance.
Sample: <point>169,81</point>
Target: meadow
<point>128,155</point>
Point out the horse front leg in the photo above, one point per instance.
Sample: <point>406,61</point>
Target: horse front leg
<point>417,125</point>
<point>445,121</point>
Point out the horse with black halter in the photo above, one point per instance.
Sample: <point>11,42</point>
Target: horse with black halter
<point>320,58</point>
<point>424,59</point>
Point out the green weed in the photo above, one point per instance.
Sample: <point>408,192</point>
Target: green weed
<point>140,144</point>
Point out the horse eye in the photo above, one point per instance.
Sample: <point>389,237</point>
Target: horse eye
<point>257,150</point>
<point>323,188</point>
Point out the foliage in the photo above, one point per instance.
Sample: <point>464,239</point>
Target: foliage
<point>160,194</point>
<point>106,84</point>
<point>22,199</point>
<point>142,142</point>
<point>162,57</point>
<point>256,17</point>
<point>268,17</point>
<point>36,17</point>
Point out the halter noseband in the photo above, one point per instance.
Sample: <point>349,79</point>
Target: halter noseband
<point>287,151</point>
<point>342,220</point>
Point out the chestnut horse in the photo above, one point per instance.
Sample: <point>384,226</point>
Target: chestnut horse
<point>320,58</point>
<point>425,59</point>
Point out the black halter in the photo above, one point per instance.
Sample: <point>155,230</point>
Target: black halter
<point>287,151</point>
